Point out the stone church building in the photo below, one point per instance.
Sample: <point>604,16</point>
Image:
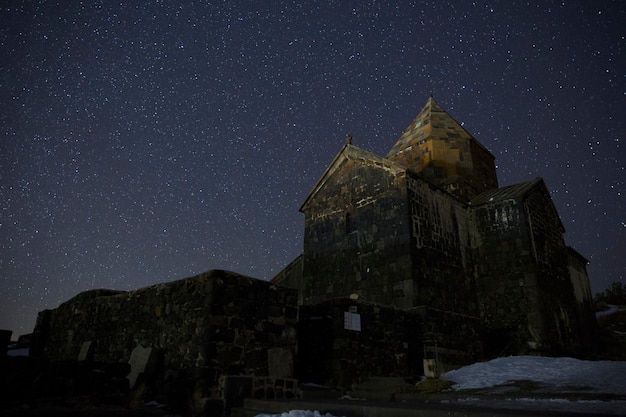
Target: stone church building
<point>427,226</point>
<point>412,262</point>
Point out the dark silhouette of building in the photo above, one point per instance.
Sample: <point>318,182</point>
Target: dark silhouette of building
<point>427,226</point>
<point>411,262</point>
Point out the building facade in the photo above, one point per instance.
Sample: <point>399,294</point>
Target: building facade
<point>428,226</point>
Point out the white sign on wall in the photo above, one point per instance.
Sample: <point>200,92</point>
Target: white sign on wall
<point>352,321</point>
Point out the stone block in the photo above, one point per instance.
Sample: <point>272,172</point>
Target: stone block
<point>86,351</point>
<point>228,354</point>
<point>142,361</point>
<point>178,325</point>
<point>280,362</point>
<point>220,334</point>
<point>236,323</point>
<point>256,359</point>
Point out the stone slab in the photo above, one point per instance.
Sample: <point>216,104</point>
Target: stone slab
<point>86,351</point>
<point>280,362</point>
<point>142,360</point>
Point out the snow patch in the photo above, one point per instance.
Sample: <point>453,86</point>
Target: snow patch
<point>297,413</point>
<point>598,376</point>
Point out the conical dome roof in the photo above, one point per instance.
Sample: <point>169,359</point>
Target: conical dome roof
<point>438,148</point>
<point>431,123</point>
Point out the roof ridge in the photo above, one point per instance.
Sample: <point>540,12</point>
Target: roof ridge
<point>508,191</point>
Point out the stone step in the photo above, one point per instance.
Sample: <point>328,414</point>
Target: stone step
<point>378,388</point>
<point>308,392</point>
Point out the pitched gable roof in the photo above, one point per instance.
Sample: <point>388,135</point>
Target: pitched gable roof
<point>349,152</point>
<point>517,192</point>
<point>510,192</point>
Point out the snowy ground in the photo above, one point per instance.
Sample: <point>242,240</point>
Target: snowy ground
<point>298,413</point>
<point>564,384</point>
<point>566,374</point>
<point>559,384</point>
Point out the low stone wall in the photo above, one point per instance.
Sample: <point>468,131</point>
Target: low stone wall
<point>217,323</point>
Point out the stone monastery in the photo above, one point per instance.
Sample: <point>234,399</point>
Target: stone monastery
<point>411,262</point>
<point>427,225</point>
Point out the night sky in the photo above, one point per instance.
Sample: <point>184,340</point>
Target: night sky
<point>147,141</point>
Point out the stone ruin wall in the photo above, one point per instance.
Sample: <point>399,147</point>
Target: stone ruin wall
<point>222,323</point>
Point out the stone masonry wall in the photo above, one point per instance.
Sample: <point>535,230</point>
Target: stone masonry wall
<point>452,338</point>
<point>441,267</point>
<point>525,292</point>
<point>505,267</point>
<point>336,356</point>
<point>388,342</point>
<point>291,276</point>
<point>585,307</point>
<point>219,322</point>
<point>554,316</point>
<point>356,237</point>
<point>506,277</point>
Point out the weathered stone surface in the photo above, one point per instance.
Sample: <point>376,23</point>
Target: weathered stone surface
<point>526,275</point>
<point>444,153</point>
<point>86,351</point>
<point>415,256</point>
<point>440,250</point>
<point>390,343</point>
<point>355,231</point>
<point>142,360</point>
<point>428,226</point>
<point>280,362</point>
<point>220,322</point>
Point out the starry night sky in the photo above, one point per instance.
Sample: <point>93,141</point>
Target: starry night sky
<point>149,141</point>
